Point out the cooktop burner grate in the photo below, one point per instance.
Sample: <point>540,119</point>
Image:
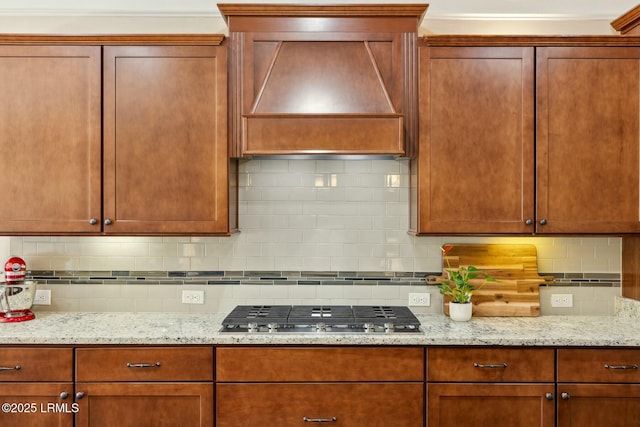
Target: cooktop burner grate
<point>313,314</point>
<point>320,318</point>
<point>260,314</point>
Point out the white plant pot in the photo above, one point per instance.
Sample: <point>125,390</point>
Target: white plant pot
<point>460,312</point>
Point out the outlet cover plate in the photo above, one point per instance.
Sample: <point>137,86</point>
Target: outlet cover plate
<point>42,297</point>
<point>192,297</point>
<point>419,299</point>
<point>561,300</point>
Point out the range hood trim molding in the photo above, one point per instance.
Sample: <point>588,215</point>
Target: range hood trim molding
<point>379,118</point>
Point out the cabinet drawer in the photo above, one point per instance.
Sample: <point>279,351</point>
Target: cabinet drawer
<point>144,364</point>
<point>36,364</point>
<point>319,364</point>
<point>490,365</point>
<point>599,365</point>
<point>352,404</point>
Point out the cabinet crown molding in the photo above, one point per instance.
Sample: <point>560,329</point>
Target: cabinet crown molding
<point>332,10</point>
<point>114,39</point>
<point>627,22</point>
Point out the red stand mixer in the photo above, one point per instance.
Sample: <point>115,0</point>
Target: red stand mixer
<point>16,294</point>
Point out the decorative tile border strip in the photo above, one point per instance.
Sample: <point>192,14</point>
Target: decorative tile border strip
<point>586,280</point>
<point>316,278</point>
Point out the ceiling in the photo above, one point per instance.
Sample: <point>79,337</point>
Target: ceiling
<point>555,17</point>
<point>527,9</point>
<point>438,9</point>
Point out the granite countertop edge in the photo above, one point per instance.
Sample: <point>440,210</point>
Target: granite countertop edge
<point>87,328</point>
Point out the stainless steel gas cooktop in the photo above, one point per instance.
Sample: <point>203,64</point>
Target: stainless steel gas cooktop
<point>320,319</point>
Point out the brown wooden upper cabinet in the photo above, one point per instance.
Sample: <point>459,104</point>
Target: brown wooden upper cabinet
<point>166,163</point>
<point>587,153</point>
<point>134,142</point>
<point>50,137</point>
<point>475,170</point>
<point>318,79</point>
<point>527,135</point>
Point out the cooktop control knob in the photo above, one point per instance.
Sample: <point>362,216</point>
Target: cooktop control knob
<point>369,327</point>
<point>252,327</point>
<point>273,327</point>
<point>388,327</point>
<point>321,327</point>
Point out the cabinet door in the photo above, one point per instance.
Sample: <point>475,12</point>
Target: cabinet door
<point>50,139</point>
<point>597,405</point>
<point>345,404</point>
<point>37,404</point>
<point>456,405</point>
<point>475,170</point>
<point>588,114</point>
<point>166,168</point>
<point>145,404</point>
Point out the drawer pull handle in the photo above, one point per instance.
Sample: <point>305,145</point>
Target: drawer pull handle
<point>6,368</point>
<point>143,365</point>
<point>319,420</point>
<point>607,366</point>
<point>490,365</point>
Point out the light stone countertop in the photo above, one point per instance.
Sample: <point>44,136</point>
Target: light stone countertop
<point>179,328</point>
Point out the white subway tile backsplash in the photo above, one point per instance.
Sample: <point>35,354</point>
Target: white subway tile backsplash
<point>344,263</point>
<point>298,215</point>
<point>358,166</point>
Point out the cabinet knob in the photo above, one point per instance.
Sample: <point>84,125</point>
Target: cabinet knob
<point>543,222</point>
<point>549,396</point>
<point>529,221</point>
<point>93,221</point>
<point>565,396</point>
<point>79,395</point>
<point>64,395</point>
<point>108,221</point>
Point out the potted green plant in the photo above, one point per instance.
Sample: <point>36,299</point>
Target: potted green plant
<point>458,287</point>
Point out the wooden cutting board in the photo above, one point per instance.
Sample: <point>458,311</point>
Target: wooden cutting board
<point>515,267</point>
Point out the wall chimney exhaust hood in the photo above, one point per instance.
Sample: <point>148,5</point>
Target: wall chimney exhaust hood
<point>323,79</point>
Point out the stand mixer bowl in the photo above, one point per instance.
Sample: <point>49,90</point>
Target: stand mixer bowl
<point>16,300</point>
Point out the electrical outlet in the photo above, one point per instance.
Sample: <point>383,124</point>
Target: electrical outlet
<point>193,297</point>
<point>561,300</point>
<point>419,300</point>
<point>42,297</point>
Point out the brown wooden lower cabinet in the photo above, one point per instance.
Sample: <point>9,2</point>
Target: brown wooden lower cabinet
<point>36,387</point>
<point>597,405</point>
<point>490,405</point>
<point>598,387</point>
<point>144,386</point>
<point>297,404</point>
<point>145,405</point>
<point>36,404</point>
<point>348,386</point>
